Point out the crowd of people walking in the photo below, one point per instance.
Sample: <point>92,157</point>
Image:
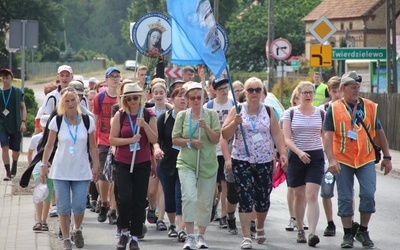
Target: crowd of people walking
<point>135,150</point>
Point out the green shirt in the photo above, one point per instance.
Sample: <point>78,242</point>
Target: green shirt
<point>11,123</point>
<point>187,157</point>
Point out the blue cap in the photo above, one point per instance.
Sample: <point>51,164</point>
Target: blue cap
<point>110,70</point>
<point>218,82</point>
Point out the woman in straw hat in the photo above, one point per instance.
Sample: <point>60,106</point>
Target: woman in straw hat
<point>132,187</point>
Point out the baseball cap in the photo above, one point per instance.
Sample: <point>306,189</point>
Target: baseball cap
<point>110,70</point>
<point>93,80</point>
<point>64,68</point>
<point>350,77</point>
<point>78,86</point>
<point>6,72</point>
<point>218,82</point>
<point>192,86</point>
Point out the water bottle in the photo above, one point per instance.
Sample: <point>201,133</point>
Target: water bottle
<point>328,178</point>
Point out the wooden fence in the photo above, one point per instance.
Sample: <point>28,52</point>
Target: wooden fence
<point>389,113</point>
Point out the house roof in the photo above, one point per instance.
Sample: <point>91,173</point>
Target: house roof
<point>340,9</point>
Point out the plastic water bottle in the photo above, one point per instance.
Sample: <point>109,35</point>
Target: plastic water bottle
<point>329,178</point>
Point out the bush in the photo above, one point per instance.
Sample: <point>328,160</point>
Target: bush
<point>31,109</point>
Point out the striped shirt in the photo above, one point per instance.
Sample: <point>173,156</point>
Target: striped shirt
<point>306,130</point>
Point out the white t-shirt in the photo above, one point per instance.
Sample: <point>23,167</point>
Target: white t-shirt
<point>66,165</point>
<point>223,111</point>
<point>49,103</point>
<point>33,143</point>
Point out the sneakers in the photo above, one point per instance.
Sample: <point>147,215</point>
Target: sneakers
<point>7,177</point>
<point>292,224</point>
<point>201,242</point>
<point>112,218</point>
<point>133,245</point>
<point>13,171</point>
<point>253,231</point>
<point>348,241</point>
<point>305,227</point>
<point>67,244</point>
<point>103,214</point>
<point>182,236</point>
<point>216,215</point>
<point>53,211</point>
<point>232,229</point>
<point>78,238</point>
<point>160,226</point>
<point>93,205</point>
<point>172,231</point>
<point>354,228</point>
<point>330,230</point>
<point>190,242</point>
<point>301,237</point>
<point>123,241</point>
<point>151,216</point>
<point>363,238</point>
<point>223,223</point>
<point>313,240</point>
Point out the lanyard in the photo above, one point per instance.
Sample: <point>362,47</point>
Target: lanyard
<point>253,123</point>
<point>8,98</point>
<point>191,133</point>
<point>74,137</point>
<point>133,126</point>
<point>352,112</point>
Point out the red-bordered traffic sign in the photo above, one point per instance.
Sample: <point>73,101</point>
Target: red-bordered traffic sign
<point>280,49</point>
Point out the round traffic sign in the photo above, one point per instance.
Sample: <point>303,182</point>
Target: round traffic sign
<point>280,49</point>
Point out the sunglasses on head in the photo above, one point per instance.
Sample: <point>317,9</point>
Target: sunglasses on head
<point>195,97</point>
<point>130,98</point>
<point>67,89</point>
<point>252,90</point>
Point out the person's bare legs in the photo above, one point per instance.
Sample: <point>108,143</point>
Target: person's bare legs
<point>299,205</point>
<point>245,221</point>
<point>312,191</point>
<point>64,222</point>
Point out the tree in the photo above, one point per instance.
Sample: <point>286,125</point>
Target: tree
<point>46,12</point>
<point>248,31</point>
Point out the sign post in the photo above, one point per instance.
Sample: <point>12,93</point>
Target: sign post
<point>280,49</point>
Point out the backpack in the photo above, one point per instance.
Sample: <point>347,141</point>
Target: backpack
<point>268,108</point>
<point>102,95</point>
<point>25,178</point>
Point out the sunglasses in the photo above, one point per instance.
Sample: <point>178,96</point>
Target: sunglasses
<point>251,90</point>
<point>129,98</point>
<point>192,98</point>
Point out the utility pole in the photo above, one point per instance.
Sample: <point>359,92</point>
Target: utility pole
<point>271,61</point>
<point>391,61</point>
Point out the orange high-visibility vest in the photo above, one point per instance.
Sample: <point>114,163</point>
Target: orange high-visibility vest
<point>354,153</point>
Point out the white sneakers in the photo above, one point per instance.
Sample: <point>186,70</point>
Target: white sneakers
<point>191,243</point>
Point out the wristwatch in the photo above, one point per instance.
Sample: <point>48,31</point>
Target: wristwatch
<point>387,157</point>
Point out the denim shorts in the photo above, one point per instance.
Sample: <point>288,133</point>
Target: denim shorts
<point>13,141</point>
<point>366,176</point>
<point>71,195</point>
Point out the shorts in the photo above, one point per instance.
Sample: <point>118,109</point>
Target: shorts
<point>298,173</point>
<point>221,167</point>
<point>103,151</point>
<point>50,187</point>
<point>71,195</point>
<point>13,141</point>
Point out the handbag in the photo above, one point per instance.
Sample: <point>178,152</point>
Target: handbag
<point>377,149</point>
<point>109,166</point>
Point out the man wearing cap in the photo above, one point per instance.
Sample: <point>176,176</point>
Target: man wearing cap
<point>222,104</point>
<point>102,108</point>
<point>350,153</point>
<point>321,91</point>
<point>64,76</point>
<point>12,122</point>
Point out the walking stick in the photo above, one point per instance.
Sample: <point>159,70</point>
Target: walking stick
<point>146,85</point>
<point>200,69</point>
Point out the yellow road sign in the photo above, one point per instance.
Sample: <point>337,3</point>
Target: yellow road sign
<point>321,55</point>
<point>322,29</point>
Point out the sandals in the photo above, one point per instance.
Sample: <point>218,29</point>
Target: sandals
<point>260,238</point>
<point>182,236</point>
<point>45,227</point>
<point>37,227</point>
<point>246,243</point>
<point>160,226</point>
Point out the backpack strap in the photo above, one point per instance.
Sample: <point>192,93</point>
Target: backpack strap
<point>58,121</point>
<point>210,104</point>
<point>291,114</point>
<point>326,106</point>
<point>167,114</point>
<point>322,115</point>
<point>268,108</point>
<point>101,99</point>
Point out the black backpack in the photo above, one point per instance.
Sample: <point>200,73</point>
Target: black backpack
<point>26,176</point>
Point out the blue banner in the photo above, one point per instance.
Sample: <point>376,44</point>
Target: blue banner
<point>195,36</point>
